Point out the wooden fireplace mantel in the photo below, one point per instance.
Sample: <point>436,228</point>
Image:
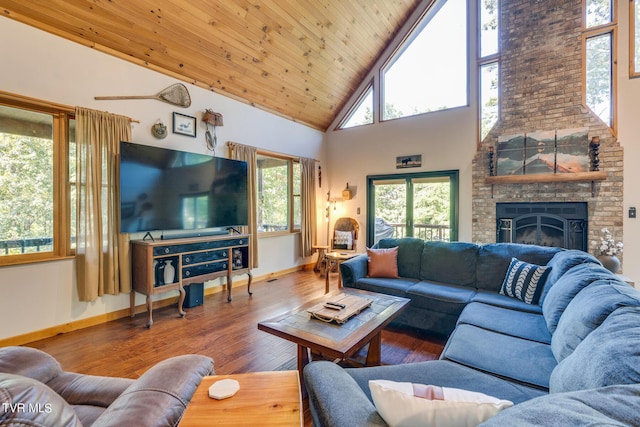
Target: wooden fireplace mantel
<point>545,178</point>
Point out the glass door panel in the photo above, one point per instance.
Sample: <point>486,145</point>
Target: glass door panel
<point>422,205</point>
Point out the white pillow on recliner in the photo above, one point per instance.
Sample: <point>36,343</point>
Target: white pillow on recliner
<point>343,239</point>
<point>403,404</point>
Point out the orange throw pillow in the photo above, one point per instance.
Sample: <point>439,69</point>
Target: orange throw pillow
<point>383,262</point>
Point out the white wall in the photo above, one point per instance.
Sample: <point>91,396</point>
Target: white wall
<point>629,137</point>
<point>46,67</point>
<point>446,140</point>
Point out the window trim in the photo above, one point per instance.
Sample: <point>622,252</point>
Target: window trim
<point>61,198</point>
<point>634,69</point>
<point>290,206</point>
<point>591,32</point>
<point>454,179</point>
<point>496,58</point>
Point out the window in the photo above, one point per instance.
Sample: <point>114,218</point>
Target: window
<point>423,205</point>
<point>599,72</point>
<point>34,214</point>
<point>427,74</point>
<point>489,65</point>
<point>279,204</point>
<point>363,113</point>
<point>634,35</point>
<point>423,74</point>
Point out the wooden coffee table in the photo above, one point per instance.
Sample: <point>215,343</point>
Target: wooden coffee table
<point>264,399</point>
<point>333,341</point>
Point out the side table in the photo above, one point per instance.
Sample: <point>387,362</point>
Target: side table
<point>322,250</point>
<point>264,399</point>
<point>334,259</point>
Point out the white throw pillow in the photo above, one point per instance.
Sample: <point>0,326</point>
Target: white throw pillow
<point>404,404</point>
<point>343,239</point>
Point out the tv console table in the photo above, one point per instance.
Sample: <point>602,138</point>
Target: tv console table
<point>166,265</point>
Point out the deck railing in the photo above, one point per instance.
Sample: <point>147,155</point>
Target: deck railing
<point>423,231</point>
<point>23,246</point>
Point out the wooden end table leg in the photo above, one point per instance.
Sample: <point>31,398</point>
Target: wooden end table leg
<point>249,283</point>
<point>229,283</point>
<point>303,360</point>
<point>375,347</point>
<point>132,303</point>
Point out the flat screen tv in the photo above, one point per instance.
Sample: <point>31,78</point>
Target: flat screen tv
<point>162,189</point>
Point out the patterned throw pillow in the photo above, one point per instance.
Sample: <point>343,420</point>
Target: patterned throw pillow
<point>525,281</point>
<point>343,240</point>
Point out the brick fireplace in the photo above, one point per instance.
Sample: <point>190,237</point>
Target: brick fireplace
<point>541,90</point>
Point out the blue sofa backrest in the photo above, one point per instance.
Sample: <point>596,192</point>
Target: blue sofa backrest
<point>409,254</point>
<point>494,260</point>
<point>450,262</point>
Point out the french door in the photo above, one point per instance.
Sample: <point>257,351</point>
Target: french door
<point>423,205</point>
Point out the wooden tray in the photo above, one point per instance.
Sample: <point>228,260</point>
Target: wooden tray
<point>353,305</point>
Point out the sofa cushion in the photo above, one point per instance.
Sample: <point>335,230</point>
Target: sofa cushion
<point>521,360</point>
<point>383,262</point>
<point>29,362</point>
<point>494,298</point>
<point>443,298</point>
<point>27,402</point>
<point>409,254</point>
<point>516,323</point>
<point>607,356</point>
<point>608,406</point>
<point>494,260</point>
<point>562,262</point>
<point>405,403</point>
<point>567,287</point>
<point>449,262</point>
<point>443,373</point>
<point>524,281</point>
<point>396,287</point>
<point>588,310</point>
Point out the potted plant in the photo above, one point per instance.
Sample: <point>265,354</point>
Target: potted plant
<point>606,251</point>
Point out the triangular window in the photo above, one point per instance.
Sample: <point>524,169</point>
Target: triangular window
<point>429,73</point>
<point>362,114</point>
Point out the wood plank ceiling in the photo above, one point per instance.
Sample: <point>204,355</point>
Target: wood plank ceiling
<point>301,59</point>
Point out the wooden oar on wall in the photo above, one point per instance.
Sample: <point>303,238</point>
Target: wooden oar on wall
<point>176,94</point>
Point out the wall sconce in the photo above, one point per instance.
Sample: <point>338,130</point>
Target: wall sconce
<point>346,193</point>
<point>211,118</point>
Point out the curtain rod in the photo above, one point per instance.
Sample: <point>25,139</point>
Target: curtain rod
<point>26,99</point>
<point>231,144</point>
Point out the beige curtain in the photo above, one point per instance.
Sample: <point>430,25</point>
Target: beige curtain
<point>102,253</point>
<point>308,206</point>
<point>248,154</point>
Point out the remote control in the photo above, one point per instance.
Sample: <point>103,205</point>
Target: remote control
<point>335,304</point>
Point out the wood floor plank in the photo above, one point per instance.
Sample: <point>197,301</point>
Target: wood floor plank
<point>226,332</point>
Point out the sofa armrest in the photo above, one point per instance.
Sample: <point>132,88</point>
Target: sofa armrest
<point>336,400</point>
<point>353,270</point>
<point>160,395</point>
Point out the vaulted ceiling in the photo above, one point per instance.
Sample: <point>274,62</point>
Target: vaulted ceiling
<point>301,59</point>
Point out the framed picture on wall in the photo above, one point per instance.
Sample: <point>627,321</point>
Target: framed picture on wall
<point>184,125</point>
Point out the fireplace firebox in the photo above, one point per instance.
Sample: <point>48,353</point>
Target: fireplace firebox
<point>548,224</point>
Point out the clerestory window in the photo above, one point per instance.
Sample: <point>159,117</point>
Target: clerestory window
<point>599,28</point>
<point>423,74</point>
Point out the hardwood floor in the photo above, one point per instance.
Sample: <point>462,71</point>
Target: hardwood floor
<point>226,332</point>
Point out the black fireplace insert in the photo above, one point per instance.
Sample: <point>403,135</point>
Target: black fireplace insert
<point>548,224</point>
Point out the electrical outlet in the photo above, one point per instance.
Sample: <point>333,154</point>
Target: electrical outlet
<point>632,212</point>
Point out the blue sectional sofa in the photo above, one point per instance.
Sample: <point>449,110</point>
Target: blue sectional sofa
<point>572,358</point>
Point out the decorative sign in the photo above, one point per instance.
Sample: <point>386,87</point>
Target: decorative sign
<point>413,161</point>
